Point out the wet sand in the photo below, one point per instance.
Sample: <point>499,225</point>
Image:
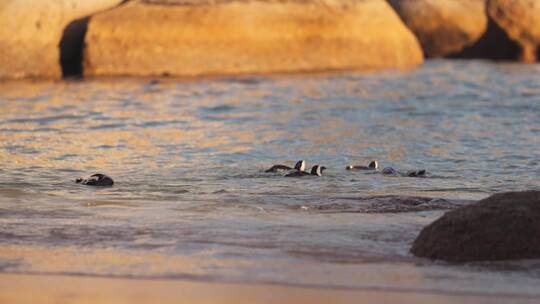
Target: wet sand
<point>25,288</point>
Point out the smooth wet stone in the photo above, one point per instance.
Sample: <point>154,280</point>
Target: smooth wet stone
<point>194,38</point>
<point>503,226</point>
<point>98,180</point>
<point>443,27</point>
<point>31,32</point>
<point>520,19</point>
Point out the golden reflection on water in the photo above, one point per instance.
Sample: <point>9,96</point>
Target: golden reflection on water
<point>62,259</point>
<point>226,211</point>
<point>57,142</point>
<point>129,125</point>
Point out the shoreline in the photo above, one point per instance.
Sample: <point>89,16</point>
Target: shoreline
<point>242,77</point>
<point>223,76</point>
<point>20,288</point>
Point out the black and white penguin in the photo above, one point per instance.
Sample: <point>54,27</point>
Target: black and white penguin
<point>389,171</point>
<point>98,180</point>
<point>373,165</point>
<point>416,173</point>
<point>300,166</point>
<point>315,170</point>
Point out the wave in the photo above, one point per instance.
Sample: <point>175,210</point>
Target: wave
<point>385,204</point>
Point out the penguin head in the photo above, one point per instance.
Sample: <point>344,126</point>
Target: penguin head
<point>317,170</point>
<point>300,165</point>
<point>373,164</point>
<point>389,171</point>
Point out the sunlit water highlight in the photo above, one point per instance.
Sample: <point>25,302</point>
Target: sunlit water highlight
<point>191,199</point>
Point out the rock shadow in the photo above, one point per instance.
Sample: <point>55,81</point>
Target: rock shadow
<point>494,44</point>
<point>72,48</point>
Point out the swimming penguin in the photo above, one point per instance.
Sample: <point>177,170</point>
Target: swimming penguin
<point>300,166</point>
<point>416,173</point>
<point>98,180</point>
<point>389,171</point>
<point>315,170</point>
<point>373,165</point>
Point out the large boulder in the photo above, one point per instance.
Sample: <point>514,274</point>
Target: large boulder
<point>521,20</point>
<point>31,31</point>
<point>186,38</point>
<point>500,227</point>
<point>494,44</point>
<point>443,27</point>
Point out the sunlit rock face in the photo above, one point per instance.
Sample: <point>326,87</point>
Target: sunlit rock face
<point>443,27</point>
<point>520,19</point>
<point>501,227</point>
<point>244,37</point>
<point>31,32</point>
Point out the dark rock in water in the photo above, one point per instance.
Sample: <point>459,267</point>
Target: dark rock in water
<point>98,180</point>
<point>501,227</point>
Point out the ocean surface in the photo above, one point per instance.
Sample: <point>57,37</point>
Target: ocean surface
<point>191,199</point>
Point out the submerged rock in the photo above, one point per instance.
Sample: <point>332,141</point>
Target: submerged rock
<point>520,19</point>
<point>500,227</point>
<point>99,180</point>
<point>192,38</point>
<point>32,30</point>
<point>385,204</point>
<point>443,27</point>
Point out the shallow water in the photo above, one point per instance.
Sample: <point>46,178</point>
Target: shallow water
<point>191,199</point>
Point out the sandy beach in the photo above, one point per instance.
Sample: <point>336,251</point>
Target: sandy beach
<point>24,288</point>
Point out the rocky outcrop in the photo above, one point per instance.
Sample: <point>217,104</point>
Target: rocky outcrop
<point>500,227</point>
<point>494,44</point>
<point>237,37</point>
<point>443,27</point>
<point>520,19</point>
<point>31,31</point>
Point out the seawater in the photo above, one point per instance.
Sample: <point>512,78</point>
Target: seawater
<point>191,199</point>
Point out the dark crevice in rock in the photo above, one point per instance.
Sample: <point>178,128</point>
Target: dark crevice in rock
<point>72,45</point>
<point>72,48</point>
<point>494,44</point>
